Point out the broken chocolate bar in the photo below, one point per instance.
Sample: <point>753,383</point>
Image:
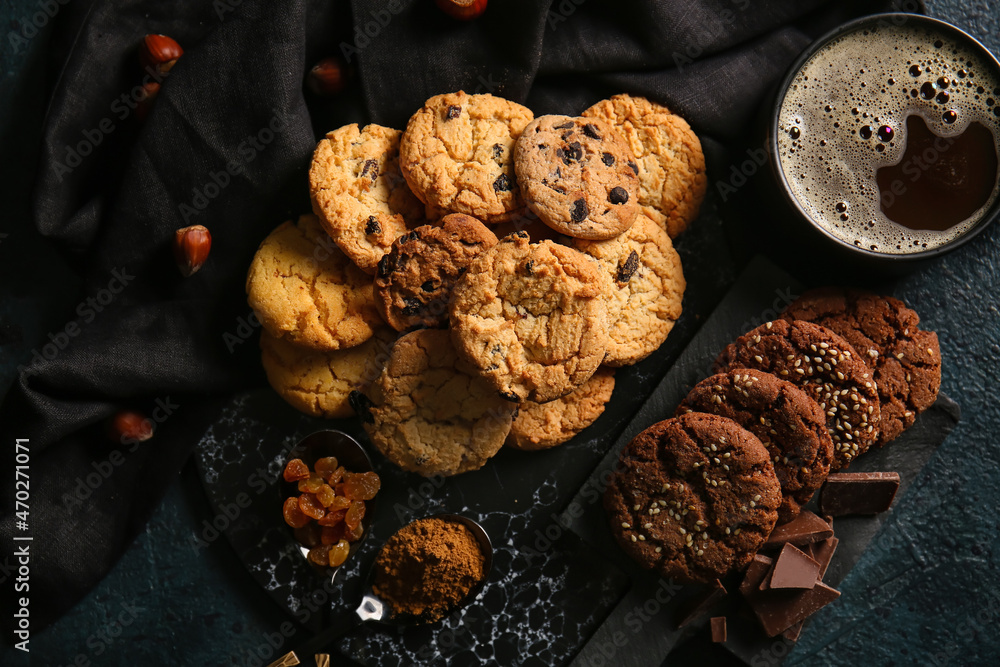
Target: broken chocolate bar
<point>793,569</point>
<point>700,604</point>
<point>718,629</point>
<point>804,529</point>
<point>858,492</point>
<point>822,553</point>
<point>778,610</point>
<point>792,633</point>
<point>756,572</point>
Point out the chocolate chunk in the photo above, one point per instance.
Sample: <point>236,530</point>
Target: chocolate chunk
<point>778,610</point>
<point>427,286</point>
<point>454,111</point>
<point>628,269</point>
<point>591,131</point>
<point>608,159</point>
<point>513,398</point>
<point>804,529</point>
<point>822,553</point>
<point>579,211</point>
<point>570,153</point>
<point>412,307</point>
<point>412,236</point>
<point>501,184</point>
<point>718,629</point>
<point>528,266</point>
<point>372,226</point>
<point>792,633</point>
<point>756,572</point>
<point>565,126</point>
<point>618,195</point>
<point>370,169</point>
<point>858,492</point>
<point>793,569</point>
<point>700,604</point>
<point>386,265</point>
<point>497,151</point>
<point>634,167</point>
<point>362,406</point>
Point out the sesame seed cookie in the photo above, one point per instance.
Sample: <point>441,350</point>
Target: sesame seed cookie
<point>645,301</point>
<point>304,289</point>
<point>672,179</point>
<point>905,360</point>
<point>457,155</point>
<point>318,382</point>
<point>414,280</point>
<point>577,176</point>
<point>545,425</point>
<point>693,497</point>
<point>359,194</point>
<point>429,412</point>
<point>789,423</point>
<point>826,367</point>
<point>531,318</point>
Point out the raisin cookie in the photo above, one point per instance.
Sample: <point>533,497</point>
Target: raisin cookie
<point>429,412</point>
<point>672,179</point>
<point>905,360</point>
<point>359,194</point>
<point>531,317</point>
<point>645,301</point>
<point>303,289</point>
<point>784,418</point>
<point>414,280</point>
<point>318,383</point>
<point>693,497</point>
<point>456,155</point>
<point>578,176</point>
<point>826,367</point>
<point>545,425</point>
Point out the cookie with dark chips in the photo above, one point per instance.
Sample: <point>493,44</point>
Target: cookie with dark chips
<point>826,367</point>
<point>905,359</point>
<point>693,497</point>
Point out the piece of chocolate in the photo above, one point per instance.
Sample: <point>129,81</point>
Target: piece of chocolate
<point>804,529</point>
<point>718,629</point>
<point>822,553</point>
<point>793,569</point>
<point>858,492</point>
<point>700,604</point>
<point>756,571</point>
<point>777,610</point>
<point>792,633</point>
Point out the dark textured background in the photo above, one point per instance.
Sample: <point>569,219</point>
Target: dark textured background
<point>928,598</point>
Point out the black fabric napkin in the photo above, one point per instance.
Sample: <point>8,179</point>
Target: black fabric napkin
<point>228,144</point>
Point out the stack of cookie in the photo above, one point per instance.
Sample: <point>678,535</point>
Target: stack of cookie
<point>476,279</point>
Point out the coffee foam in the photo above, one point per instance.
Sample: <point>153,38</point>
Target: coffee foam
<point>831,170</point>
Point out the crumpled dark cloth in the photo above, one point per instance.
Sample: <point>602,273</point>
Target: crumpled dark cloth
<point>228,145</point>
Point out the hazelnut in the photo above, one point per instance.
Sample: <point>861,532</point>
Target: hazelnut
<point>327,77</point>
<point>463,10</point>
<point>191,246</point>
<point>128,426</point>
<point>145,102</point>
<point>159,52</point>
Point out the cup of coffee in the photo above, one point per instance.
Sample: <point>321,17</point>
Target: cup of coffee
<point>884,139</point>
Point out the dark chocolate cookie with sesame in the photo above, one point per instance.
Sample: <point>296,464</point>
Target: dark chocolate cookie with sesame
<point>577,176</point>
<point>905,360</point>
<point>826,367</point>
<point>693,497</point>
<point>789,423</point>
<point>414,279</point>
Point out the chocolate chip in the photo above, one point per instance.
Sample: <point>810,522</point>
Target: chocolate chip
<point>412,307</point>
<point>634,167</point>
<point>428,286</point>
<point>528,266</point>
<point>386,265</point>
<point>372,226</point>
<point>509,396</point>
<point>497,151</point>
<point>497,349</point>
<point>501,184</point>
<point>579,211</point>
<point>566,135</point>
<point>608,159</point>
<point>516,235</point>
<point>591,131</point>
<point>618,195</point>
<point>565,126</point>
<point>571,153</point>
<point>362,406</point>
<point>454,112</point>
<point>628,269</point>
<point>371,169</point>
<point>412,236</point>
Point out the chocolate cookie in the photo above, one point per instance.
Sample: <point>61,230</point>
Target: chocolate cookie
<point>531,318</point>
<point>645,301</point>
<point>359,194</point>
<point>414,280</point>
<point>303,289</point>
<point>672,180</point>
<point>429,412</point>
<point>578,176</point>
<point>457,155</point>
<point>789,423</point>
<point>905,360</point>
<point>545,425</point>
<point>318,382</point>
<point>693,497</point>
<point>826,367</point>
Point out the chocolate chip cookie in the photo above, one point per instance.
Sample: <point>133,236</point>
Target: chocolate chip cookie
<point>672,180</point>
<point>545,425</point>
<point>578,176</point>
<point>429,412</point>
<point>905,360</point>
<point>648,287</point>
<point>789,423</point>
<point>457,155</point>
<point>826,367</point>
<point>359,194</point>
<point>304,289</point>
<point>414,280</point>
<point>693,497</point>
<point>531,317</point>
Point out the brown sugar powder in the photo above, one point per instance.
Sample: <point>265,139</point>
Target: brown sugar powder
<point>427,567</point>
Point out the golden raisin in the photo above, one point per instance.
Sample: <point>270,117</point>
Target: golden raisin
<point>296,470</point>
<point>353,535</point>
<point>336,475</point>
<point>320,555</point>
<point>339,552</point>
<point>325,495</point>
<point>325,466</point>
<point>355,513</point>
<point>310,506</point>
<point>332,518</point>
<point>332,534</point>
<point>311,485</point>
<point>362,486</point>
<point>339,503</point>
<point>308,535</point>
<point>294,517</point>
